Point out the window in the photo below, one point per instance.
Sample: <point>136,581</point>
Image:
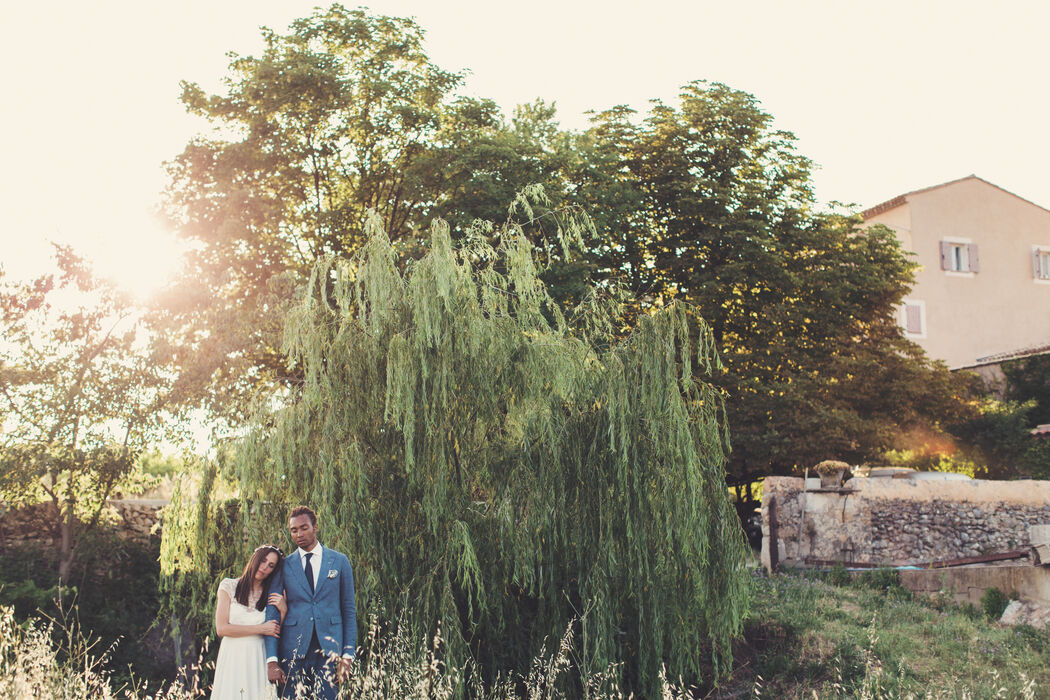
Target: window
<point>1041,262</point>
<point>913,318</point>
<point>959,255</point>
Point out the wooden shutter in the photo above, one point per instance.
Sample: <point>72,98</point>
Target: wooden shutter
<point>971,253</point>
<point>946,255</point>
<point>913,318</point>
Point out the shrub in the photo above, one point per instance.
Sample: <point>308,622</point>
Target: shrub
<point>112,591</point>
<point>838,576</point>
<point>994,602</point>
<point>881,579</point>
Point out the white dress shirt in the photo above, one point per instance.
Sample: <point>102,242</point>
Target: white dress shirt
<point>315,561</point>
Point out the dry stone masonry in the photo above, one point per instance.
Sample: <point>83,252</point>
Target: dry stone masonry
<point>38,524</point>
<point>899,521</point>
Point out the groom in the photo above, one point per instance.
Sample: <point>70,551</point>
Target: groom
<point>319,635</point>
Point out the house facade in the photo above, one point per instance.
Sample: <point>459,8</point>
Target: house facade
<point>982,291</point>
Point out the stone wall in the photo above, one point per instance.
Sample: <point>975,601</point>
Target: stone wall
<point>899,521</point>
<point>134,519</point>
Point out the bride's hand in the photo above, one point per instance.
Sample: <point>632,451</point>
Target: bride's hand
<point>277,600</point>
<point>271,628</point>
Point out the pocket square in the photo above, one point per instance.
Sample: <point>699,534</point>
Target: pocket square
<point>332,573</point>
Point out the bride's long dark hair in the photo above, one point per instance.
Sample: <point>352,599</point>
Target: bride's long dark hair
<point>244,583</point>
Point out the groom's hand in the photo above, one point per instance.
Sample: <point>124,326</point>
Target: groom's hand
<point>274,672</point>
<point>345,669</point>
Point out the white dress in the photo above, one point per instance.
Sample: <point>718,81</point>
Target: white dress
<point>240,670</point>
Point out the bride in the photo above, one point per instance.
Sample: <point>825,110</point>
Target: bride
<point>240,670</point>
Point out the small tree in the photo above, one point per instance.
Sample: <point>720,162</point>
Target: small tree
<point>79,395</point>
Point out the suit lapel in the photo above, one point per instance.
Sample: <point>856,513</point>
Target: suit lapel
<point>295,563</point>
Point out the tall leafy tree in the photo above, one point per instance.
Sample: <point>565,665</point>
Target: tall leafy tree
<point>802,304</point>
<point>500,468</point>
<point>329,123</point>
<point>80,396</point>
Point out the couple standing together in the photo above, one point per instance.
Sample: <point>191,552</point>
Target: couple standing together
<point>287,621</point>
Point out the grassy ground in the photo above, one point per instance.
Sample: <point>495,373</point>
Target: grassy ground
<point>805,638</point>
<point>871,638</point>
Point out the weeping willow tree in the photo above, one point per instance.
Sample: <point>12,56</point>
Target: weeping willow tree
<point>498,468</point>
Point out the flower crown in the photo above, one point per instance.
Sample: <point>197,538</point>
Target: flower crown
<point>271,548</point>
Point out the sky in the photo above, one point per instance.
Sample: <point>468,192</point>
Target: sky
<point>884,97</point>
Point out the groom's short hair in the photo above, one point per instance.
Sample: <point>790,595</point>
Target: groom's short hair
<point>303,510</point>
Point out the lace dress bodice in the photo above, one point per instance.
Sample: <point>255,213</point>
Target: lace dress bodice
<point>242,614</point>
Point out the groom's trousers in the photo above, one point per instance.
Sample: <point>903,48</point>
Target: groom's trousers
<point>312,677</point>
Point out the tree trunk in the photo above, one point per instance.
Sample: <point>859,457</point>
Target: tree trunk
<point>65,559</point>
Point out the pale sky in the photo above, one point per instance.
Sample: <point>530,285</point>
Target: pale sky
<point>885,97</point>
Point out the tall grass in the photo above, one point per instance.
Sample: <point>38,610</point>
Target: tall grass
<point>33,665</point>
<point>806,639</point>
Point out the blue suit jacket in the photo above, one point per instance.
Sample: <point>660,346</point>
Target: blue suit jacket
<point>329,609</point>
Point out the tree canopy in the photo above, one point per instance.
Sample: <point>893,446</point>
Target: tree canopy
<point>802,303</point>
<point>330,122</point>
<point>702,201</point>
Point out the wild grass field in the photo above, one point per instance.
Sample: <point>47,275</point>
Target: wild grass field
<point>805,638</point>
<point>870,638</point>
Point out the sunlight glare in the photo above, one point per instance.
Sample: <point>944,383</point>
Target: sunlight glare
<point>139,264</point>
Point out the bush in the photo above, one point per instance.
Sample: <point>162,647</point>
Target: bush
<point>112,591</point>
<point>999,438</point>
<point>994,602</point>
<point>838,576</point>
<point>26,597</point>
<point>882,579</point>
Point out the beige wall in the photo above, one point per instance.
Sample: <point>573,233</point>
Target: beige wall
<point>1000,308</point>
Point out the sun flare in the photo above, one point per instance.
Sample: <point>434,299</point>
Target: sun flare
<point>140,265</point>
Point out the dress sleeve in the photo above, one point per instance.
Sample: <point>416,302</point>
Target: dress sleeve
<point>230,586</point>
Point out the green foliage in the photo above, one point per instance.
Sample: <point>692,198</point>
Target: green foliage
<point>334,119</point>
<point>838,576</point>
<point>994,602</point>
<point>111,591</point>
<point>928,459</point>
<point>497,468</point>
<point>198,549</point>
<point>999,440</point>
<point>1028,379</point>
<point>805,638</point>
<point>802,305</point>
<point>26,597</point>
<point>703,202</point>
<point>153,463</point>
<point>883,579</point>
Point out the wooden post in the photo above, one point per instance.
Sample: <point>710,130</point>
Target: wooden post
<point>774,547</point>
